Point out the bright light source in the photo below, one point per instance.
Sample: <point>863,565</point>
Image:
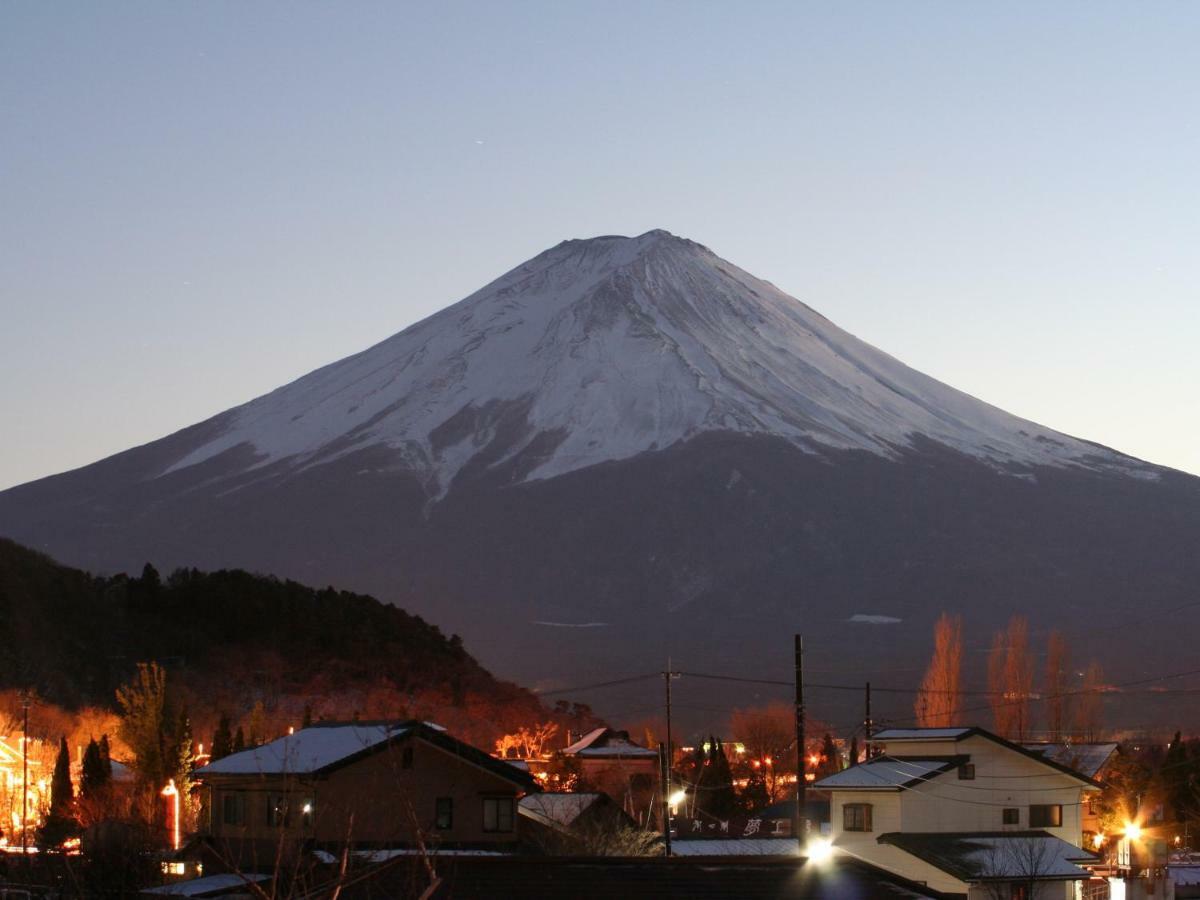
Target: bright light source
<point>1097,840</point>
<point>1133,831</point>
<point>307,808</point>
<point>819,850</point>
<point>676,798</point>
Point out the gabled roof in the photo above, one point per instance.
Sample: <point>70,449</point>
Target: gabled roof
<point>905,735</point>
<point>605,742</point>
<point>1087,759</point>
<point>208,886</point>
<point>887,774</point>
<point>326,746</point>
<point>995,855</point>
<point>557,810</point>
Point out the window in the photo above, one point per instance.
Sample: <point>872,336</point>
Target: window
<point>1011,816</point>
<point>278,813</point>
<point>966,772</point>
<point>497,813</point>
<point>233,809</point>
<point>444,819</point>
<point>1046,815</point>
<point>1019,892</point>
<point>406,758</point>
<point>856,817</point>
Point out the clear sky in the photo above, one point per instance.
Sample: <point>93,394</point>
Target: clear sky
<point>203,201</point>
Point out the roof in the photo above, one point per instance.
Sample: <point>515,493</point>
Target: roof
<point>605,742</point>
<point>815,808</point>
<point>959,734</point>
<point>596,878</point>
<point>1087,759</point>
<point>996,855</point>
<point>557,809</point>
<point>322,747</point>
<point>922,734</point>
<point>736,847</point>
<point>887,774</point>
<point>208,886</point>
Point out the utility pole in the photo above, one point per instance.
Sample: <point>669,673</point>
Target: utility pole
<point>26,701</point>
<point>666,765</point>
<point>868,725</point>
<point>801,821</point>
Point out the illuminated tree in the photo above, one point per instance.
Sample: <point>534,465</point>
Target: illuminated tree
<point>94,777</point>
<point>1089,709</point>
<point>1056,687</point>
<point>222,742</point>
<point>60,821</point>
<point>939,702</point>
<point>146,726</point>
<point>239,740</point>
<point>1010,679</point>
<point>768,734</point>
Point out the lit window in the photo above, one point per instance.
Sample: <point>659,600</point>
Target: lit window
<point>444,819</point>
<point>174,868</point>
<point>856,817</point>
<point>1046,815</point>
<point>497,813</point>
<point>966,772</point>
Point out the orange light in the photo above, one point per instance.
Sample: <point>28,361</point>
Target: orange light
<point>1133,830</point>
<point>814,760</point>
<point>768,760</point>
<point>172,792</point>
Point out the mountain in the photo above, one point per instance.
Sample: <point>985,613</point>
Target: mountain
<point>229,638</point>
<point>626,448</point>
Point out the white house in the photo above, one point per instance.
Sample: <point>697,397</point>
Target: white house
<point>965,812</point>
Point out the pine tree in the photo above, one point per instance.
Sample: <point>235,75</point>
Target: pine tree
<point>222,742</point>
<point>754,795</point>
<point>239,740</point>
<point>60,821</point>
<point>831,760</point>
<point>106,758</point>
<point>722,802</point>
<point>151,582</point>
<point>258,724</point>
<point>93,777</point>
<point>854,750</point>
<point>185,752</point>
<point>307,720</point>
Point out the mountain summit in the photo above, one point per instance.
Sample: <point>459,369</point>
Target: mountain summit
<point>629,448</point>
<point>599,350</point>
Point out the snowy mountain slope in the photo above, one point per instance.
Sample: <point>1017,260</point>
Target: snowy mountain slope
<point>602,349</point>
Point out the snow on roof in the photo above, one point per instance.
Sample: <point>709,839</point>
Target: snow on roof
<point>736,847</point>
<point>1181,875</point>
<point>921,734</point>
<point>606,742</point>
<point>308,750</point>
<point>1087,759</point>
<point>556,809</point>
<point>885,774</point>
<point>987,856</point>
<point>209,885</point>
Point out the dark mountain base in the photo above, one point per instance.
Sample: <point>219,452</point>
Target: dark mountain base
<point>712,553</point>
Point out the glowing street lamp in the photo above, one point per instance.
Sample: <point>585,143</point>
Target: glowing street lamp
<point>172,793</point>
<point>1133,831</point>
<point>819,851</point>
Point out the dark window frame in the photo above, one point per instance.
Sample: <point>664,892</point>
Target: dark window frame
<point>499,814</point>
<point>1045,815</point>
<point>233,808</point>
<point>1010,815</point>
<point>856,817</point>
<point>966,772</point>
<point>443,813</point>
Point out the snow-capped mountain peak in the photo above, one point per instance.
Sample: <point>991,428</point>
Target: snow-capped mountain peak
<point>602,349</point>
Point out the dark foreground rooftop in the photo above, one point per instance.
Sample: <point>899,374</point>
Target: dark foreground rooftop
<point>525,878</point>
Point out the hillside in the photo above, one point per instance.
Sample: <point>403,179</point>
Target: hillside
<point>231,638</point>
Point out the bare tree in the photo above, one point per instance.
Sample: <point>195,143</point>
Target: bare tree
<point>1010,679</point>
<point>1018,867</point>
<point>939,702</point>
<point>1058,667</point>
<point>1089,710</point>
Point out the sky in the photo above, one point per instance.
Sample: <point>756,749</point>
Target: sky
<point>204,201</point>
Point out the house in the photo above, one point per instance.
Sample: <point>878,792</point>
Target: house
<point>584,824</point>
<point>609,761</point>
<point>363,784</point>
<point>1090,759</point>
<point>13,785</point>
<point>966,812</point>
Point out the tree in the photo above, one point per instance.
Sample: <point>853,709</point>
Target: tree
<point>1089,708</point>
<point>60,822</point>
<point>106,758</point>
<point>185,753</point>
<point>258,724</point>
<point>1010,679</point>
<point>854,750</point>
<point>146,726</point>
<point>1017,866</point>
<point>222,742</point>
<point>306,721</point>
<point>1058,667</point>
<point>715,796</point>
<point>939,703</point>
<point>830,760</point>
<point>239,740</point>
<point>768,734</point>
<point>94,776</point>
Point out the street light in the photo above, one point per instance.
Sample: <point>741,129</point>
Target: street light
<point>172,792</point>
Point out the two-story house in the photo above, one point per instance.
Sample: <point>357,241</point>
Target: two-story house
<point>361,784</point>
<point>964,811</point>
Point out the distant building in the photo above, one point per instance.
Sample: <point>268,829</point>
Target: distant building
<point>628,772</point>
<point>360,784</point>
